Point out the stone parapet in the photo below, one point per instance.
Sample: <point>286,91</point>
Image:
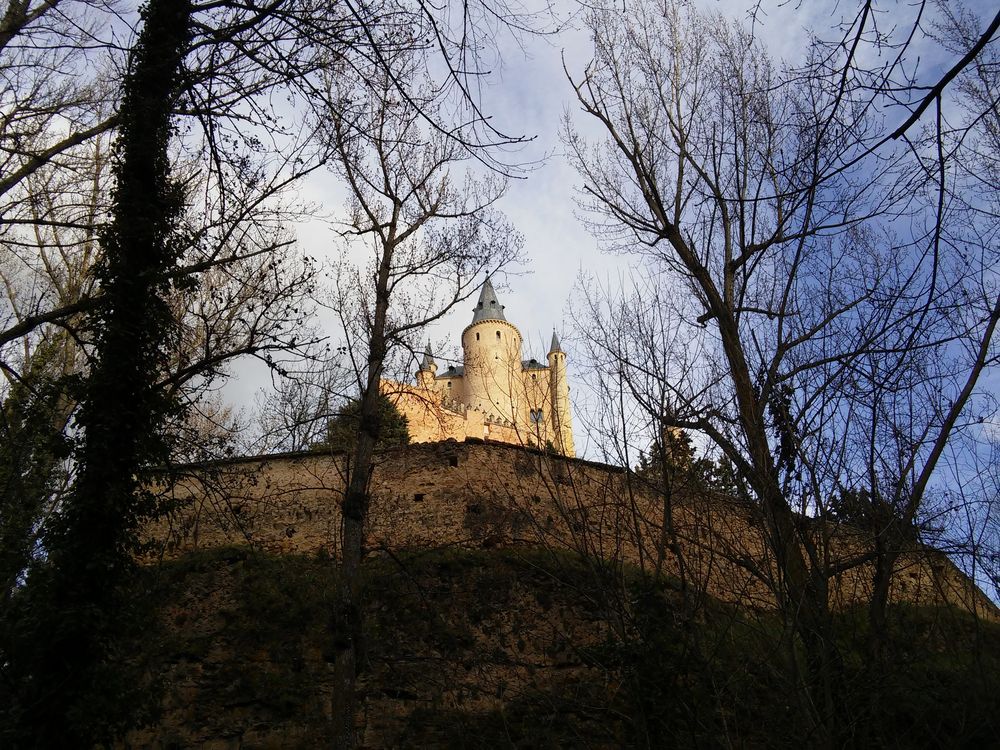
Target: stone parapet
<point>478,494</point>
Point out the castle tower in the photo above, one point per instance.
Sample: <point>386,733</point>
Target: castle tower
<point>492,354</point>
<point>562,420</point>
<point>493,394</point>
<point>428,369</point>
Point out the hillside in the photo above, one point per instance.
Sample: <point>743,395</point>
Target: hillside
<point>520,599</point>
<point>526,648</point>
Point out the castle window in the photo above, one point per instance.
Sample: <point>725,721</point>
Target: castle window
<point>418,497</point>
<point>477,337</point>
<point>498,335</point>
<point>532,376</point>
<point>449,384</point>
<point>536,416</point>
<point>453,461</point>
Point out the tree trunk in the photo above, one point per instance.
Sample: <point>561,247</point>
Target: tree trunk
<point>348,620</point>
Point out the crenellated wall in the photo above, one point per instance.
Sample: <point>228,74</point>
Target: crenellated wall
<point>479,494</point>
<point>433,416</point>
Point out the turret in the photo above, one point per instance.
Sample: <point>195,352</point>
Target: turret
<point>562,420</point>
<point>492,353</point>
<point>554,347</point>
<point>488,307</point>
<point>428,369</point>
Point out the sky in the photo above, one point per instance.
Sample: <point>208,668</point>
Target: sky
<point>530,94</point>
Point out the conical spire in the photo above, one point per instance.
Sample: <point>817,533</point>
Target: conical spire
<point>428,360</point>
<point>488,307</point>
<point>554,346</point>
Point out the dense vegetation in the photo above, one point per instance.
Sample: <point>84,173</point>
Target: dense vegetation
<point>528,648</point>
<point>342,430</point>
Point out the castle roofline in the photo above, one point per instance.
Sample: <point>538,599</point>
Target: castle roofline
<point>533,364</point>
<point>428,361</point>
<point>488,307</point>
<point>554,346</point>
<point>452,371</point>
<point>502,321</point>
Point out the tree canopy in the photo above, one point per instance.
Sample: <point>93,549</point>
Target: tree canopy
<point>342,431</point>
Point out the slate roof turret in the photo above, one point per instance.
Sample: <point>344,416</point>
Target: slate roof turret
<point>428,360</point>
<point>554,346</point>
<point>488,307</point>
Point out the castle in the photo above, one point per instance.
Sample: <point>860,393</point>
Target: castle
<point>494,573</point>
<point>495,394</point>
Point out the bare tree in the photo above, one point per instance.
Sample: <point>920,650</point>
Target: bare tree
<point>57,108</point>
<point>769,197</point>
<point>917,405</point>
<point>201,80</point>
<point>430,231</point>
<point>295,416</point>
<point>240,290</point>
<point>55,98</point>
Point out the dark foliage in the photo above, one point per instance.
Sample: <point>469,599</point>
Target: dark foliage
<point>32,448</point>
<point>66,691</point>
<point>675,459</point>
<point>342,432</point>
<point>868,511</point>
<point>461,623</point>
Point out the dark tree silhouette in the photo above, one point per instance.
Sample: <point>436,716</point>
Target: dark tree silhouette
<point>93,542</point>
<point>343,430</point>
<point>431,234</point>
<point>763,202</point>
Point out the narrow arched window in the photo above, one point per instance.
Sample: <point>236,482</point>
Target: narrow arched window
<point>498,335</point>
<point>477,337</point>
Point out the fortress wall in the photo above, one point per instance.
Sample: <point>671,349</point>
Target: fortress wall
<point>428,418</point>
<point>431,417</point>
<point>475,494</point>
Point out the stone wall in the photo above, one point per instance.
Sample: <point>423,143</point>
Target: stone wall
<point>476,494</point>
<point>433,417</point>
